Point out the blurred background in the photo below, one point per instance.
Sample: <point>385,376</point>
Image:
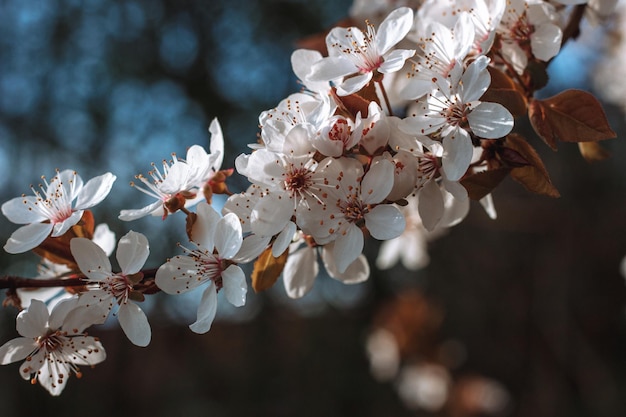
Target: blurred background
<point>520,316</point>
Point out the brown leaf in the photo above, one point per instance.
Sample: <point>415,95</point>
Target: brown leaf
<point>593,151</point>
<point>505,91</point>
<point>267,269</point>
<point>351,105</point>
<point>482,183</point>
<point>571,116</point>
<point>534,177</point>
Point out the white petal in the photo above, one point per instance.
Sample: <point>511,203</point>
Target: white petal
<point>330,68</point>
<point>81,317</point>
<point>385,222</point>
<point>395,60</point>
<point>284,239</point>
<point>178,275</point>
<point>16,350</point>
<point>490,121</point>
<point>546,41</point>
<point>300,272</point>
<point>27,237</point>
<point>53,376</point>
<point>430,205</point>
<point>216,148</point>
<point>357,272</point>
<point>458,154</point>
<point>33,322</point>
<point>203,230</point>
<point>91,259</point>
<point>378,182</point>
<point>206,310</point>
<point>30,368</point>
<point>17,210</point>
<point>271,214</point>
<point>105,238</point>
<point>252,246</point>
<point>393,29</point>
<point>234,285</point>
<point>60,311</point>
<point>134,323</point>
<point>155,208</point>
<point>89,351</point>
<point>95,190</point>
<point>132,252</point>
<point>228,236</point>
<point>354,84</point>
<point>348,247</point>
<point>389,253</point>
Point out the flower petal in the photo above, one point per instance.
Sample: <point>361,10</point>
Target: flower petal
<point>132,252</point>
<point>206,310</point>
<point>16,350</point>
<point>271,214</point>
<point>300,272</point>
<point>393,29</point>
<point>347,248</point>
<point>378,182</point>
<point>33,322</point>
<point>18,211</point>
<point>155,208</point>
<point>134,323</point>
<point>354,84</point>
<point>284,239</point>
<point>457,155</point>
<point>234,285</point>
<point>91,259</point>
<point>490,121</point>
<point>27,237</point>
<point>385,222</point>
<point>430,205</point>
<point>228,236</point>
<point>95,190</point>
<point>358,271</point>
<point>203,230</point>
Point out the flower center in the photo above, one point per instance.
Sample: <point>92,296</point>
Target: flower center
<point>353,209</point>
<point>52,341</point>
<point>118,286</point>
<point>298,180</point>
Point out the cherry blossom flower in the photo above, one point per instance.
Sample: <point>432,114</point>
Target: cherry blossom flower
<point>115,288</point>
<point>529,28</point>
<point>216,242</point>
<point>53,344</point>
<point>441,50</point>
<point>52,210</point>
<point>102,236</point>
<point>355,55</point>
<point>453,111</point>
<point>353,202</point>
<point>181,182</point>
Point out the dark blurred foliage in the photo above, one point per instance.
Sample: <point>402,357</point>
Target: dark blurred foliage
<point>533,300</point>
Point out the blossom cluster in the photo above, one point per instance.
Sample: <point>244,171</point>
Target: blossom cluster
<point>391,122</point>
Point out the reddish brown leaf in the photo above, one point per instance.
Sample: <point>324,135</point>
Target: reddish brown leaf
<point>571,116</point>
<point>267,269</point>
<point>356,103</point>
<point>593,151</point>
<point>534,177</point>
<point>482,183</point>
<point>504,91</point>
